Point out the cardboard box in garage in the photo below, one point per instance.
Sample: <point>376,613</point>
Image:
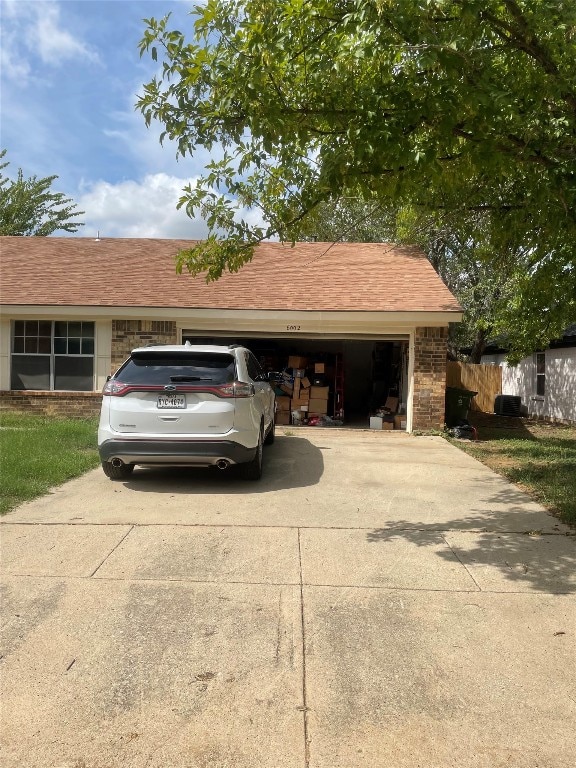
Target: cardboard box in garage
<point>318,405</point>
<point>319,393</point>
<point>295,361</point>
<point>283,418</point>
<point>319,368</point>
<point>282,403</point>
<point>400,421</point>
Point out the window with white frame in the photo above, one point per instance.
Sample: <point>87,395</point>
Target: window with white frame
<point>540,374</point>
<point>52,355</point>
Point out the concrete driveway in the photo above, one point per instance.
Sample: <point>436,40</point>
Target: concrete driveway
<point>377,600</point>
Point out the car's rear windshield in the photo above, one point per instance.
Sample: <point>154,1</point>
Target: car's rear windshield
<point>174,368</point>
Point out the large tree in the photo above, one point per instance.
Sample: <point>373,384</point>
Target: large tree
<point>453,106</point>
<point>30,207</point>
<point>482,292</point>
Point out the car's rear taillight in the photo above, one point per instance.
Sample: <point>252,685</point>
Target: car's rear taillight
<point>115,388</point>
<point>235,389</point>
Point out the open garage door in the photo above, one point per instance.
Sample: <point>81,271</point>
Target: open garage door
<point>358,377</point>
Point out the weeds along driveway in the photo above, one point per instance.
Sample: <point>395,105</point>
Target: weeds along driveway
<point>377,600</point>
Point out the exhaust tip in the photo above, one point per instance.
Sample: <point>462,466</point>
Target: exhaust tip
<point>222,464</point>
<point>116,462</point>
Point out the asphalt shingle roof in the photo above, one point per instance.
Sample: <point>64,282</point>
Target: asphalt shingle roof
<point>118,272</point>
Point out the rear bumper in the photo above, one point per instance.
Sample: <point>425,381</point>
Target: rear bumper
<point>201,453</point>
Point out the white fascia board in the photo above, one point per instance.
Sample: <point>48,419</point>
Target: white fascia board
<point>292,323</point>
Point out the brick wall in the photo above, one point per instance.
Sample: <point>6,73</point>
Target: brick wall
<point>129,334</point>
<point>74,404</point>
<point>430,346</point>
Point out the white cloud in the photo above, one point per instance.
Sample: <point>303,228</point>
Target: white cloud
<point>138,209</point>
<point>144,208</point>
<point>32,29</point>
<point>54,43</point>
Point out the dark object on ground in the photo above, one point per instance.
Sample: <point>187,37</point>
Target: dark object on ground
<point>464,431</point>
<point>457,404</point>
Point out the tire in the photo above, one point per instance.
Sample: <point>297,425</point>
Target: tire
<point>252,470</point>
<point>271,436</point>
<point>122,472</point>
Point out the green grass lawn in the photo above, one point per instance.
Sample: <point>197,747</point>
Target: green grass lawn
<point>539,457</point>
<point>38,453</point>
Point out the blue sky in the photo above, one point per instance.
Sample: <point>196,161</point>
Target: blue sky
<point>70,76</point>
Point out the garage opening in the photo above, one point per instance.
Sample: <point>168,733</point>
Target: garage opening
<point>361,380</point>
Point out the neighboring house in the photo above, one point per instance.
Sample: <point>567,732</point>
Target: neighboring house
<point>546,381</point>
<point>73,308</point>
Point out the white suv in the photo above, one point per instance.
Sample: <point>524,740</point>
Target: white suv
<point>186,405</point>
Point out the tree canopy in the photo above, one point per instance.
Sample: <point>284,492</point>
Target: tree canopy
<point>464,108</point>
<point>483,293</point>
<point>30,207</point>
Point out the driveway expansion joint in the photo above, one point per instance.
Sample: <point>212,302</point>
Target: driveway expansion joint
<point>305,707</point>
<point>385,529</point>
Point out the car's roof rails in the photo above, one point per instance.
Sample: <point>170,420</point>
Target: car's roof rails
<point>234,346</point>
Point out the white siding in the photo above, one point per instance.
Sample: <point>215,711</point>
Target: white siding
<point>559,401</point>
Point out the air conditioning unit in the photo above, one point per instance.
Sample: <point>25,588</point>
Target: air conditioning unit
<point>507,405</point>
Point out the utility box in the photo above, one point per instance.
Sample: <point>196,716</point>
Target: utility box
<point>507,405</point>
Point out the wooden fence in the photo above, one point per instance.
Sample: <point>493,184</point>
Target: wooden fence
<point>484,379</point>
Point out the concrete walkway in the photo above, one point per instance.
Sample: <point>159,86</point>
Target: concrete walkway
<point>377,601</point>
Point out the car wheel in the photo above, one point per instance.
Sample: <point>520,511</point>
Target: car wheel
<point>117,473</point>
<point>252,470</point>
<point>271,436</point>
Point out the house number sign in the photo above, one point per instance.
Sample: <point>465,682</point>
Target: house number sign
<point>293,328</point>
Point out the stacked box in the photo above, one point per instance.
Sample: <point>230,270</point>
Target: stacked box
<point>391,404</point>
<point>299,393</point>
<point>319,368</point>
<point>318,400</point>
<point>283,418</point>
<point>282,403</point>
<point>296,361</point>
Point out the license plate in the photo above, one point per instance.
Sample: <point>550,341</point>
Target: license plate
<point>171,401</point>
